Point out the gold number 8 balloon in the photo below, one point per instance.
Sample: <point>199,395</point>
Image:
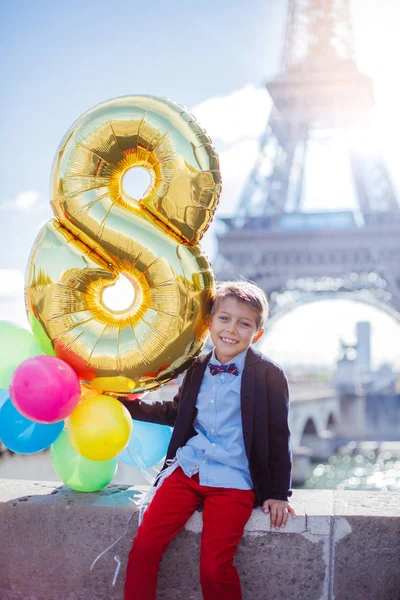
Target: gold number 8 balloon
<point>101,232</point>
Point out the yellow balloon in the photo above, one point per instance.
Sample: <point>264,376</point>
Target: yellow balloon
<point>100,232</point>
<point>100,428</point>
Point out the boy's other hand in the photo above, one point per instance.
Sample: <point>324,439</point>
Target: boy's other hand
<point>279,511</point>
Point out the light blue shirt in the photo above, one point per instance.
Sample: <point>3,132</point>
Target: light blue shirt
<point>217,452</point>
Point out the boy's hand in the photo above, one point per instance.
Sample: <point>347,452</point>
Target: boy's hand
<point>279,510</point>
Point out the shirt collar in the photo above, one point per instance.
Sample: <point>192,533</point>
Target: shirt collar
<point>239,360</point>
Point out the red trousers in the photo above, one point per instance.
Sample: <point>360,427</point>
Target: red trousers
<point>225,513</point>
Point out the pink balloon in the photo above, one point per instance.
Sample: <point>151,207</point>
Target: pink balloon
<point>137,396</point>
<point>45,389</point>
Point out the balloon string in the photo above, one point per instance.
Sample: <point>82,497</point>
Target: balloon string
<point>143,501</point>
<point>116,557</point>
<point>136,458</point>
<point>145,498</point>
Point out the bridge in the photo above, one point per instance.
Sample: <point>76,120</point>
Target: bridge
<point>314,417</point>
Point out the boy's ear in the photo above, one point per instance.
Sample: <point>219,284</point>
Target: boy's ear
<point>258,335</point>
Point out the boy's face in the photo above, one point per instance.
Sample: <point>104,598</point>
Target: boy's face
<point>233,328</point>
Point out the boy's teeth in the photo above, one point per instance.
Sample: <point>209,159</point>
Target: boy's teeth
<point>228,341</point>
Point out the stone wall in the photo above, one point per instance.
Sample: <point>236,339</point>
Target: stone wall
<point>343,545</point>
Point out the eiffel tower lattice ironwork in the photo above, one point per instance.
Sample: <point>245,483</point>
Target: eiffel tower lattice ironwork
<point>298,256</point>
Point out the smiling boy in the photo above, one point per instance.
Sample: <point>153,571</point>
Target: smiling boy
<point>229,450</point>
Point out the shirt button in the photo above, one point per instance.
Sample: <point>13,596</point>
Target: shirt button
<point>204,461</point>
<point>212,401</point>
<point>212,430</point>
<point>212,444</point>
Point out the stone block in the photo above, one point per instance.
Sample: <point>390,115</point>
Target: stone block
<point>342,543</point>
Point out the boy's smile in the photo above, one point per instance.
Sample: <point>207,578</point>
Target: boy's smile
<point>233,328</point>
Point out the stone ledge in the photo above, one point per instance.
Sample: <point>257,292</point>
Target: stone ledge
<point>343,545</point>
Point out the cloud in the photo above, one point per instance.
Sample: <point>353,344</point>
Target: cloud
<point>241,114</point>
<point>236,164</point>
<point>12,304</point>
<point>234,124</point>
<point>23,201</point>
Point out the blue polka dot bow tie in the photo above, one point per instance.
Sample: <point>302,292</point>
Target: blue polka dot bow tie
<point>215,369</point>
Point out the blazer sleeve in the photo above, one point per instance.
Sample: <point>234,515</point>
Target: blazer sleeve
<point>279,453</point>
<point>163,413</point>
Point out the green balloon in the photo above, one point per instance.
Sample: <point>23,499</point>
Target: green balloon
<point>77,472</point>
<point>41,336</point>
<point>16,345</point>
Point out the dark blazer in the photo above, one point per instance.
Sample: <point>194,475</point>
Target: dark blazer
<point>264,407</point>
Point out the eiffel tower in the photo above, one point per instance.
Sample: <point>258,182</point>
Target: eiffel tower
<point>320,99</point>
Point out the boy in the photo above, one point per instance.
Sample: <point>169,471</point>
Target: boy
<point>229,450</point>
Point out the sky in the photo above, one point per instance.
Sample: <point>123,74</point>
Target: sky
<point>214,57</point>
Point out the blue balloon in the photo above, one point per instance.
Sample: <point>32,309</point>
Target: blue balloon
<point>22,435</point>
<point>148,443</point>
<point>4,395</point>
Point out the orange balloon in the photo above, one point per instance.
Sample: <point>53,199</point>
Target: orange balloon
<point>86,392</point>
<point>100,428</point>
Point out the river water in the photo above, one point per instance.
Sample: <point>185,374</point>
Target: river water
<point>350,469</point>
<point>373,471</point>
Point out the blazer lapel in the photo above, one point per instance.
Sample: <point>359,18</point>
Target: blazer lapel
<point>194,384</point>
<point>247,397</point>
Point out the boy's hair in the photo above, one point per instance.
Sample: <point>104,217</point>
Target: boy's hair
<point>243,291</point>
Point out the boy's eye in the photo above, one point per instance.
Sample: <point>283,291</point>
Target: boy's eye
<point>223,318</point>
<point>245,324</point>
